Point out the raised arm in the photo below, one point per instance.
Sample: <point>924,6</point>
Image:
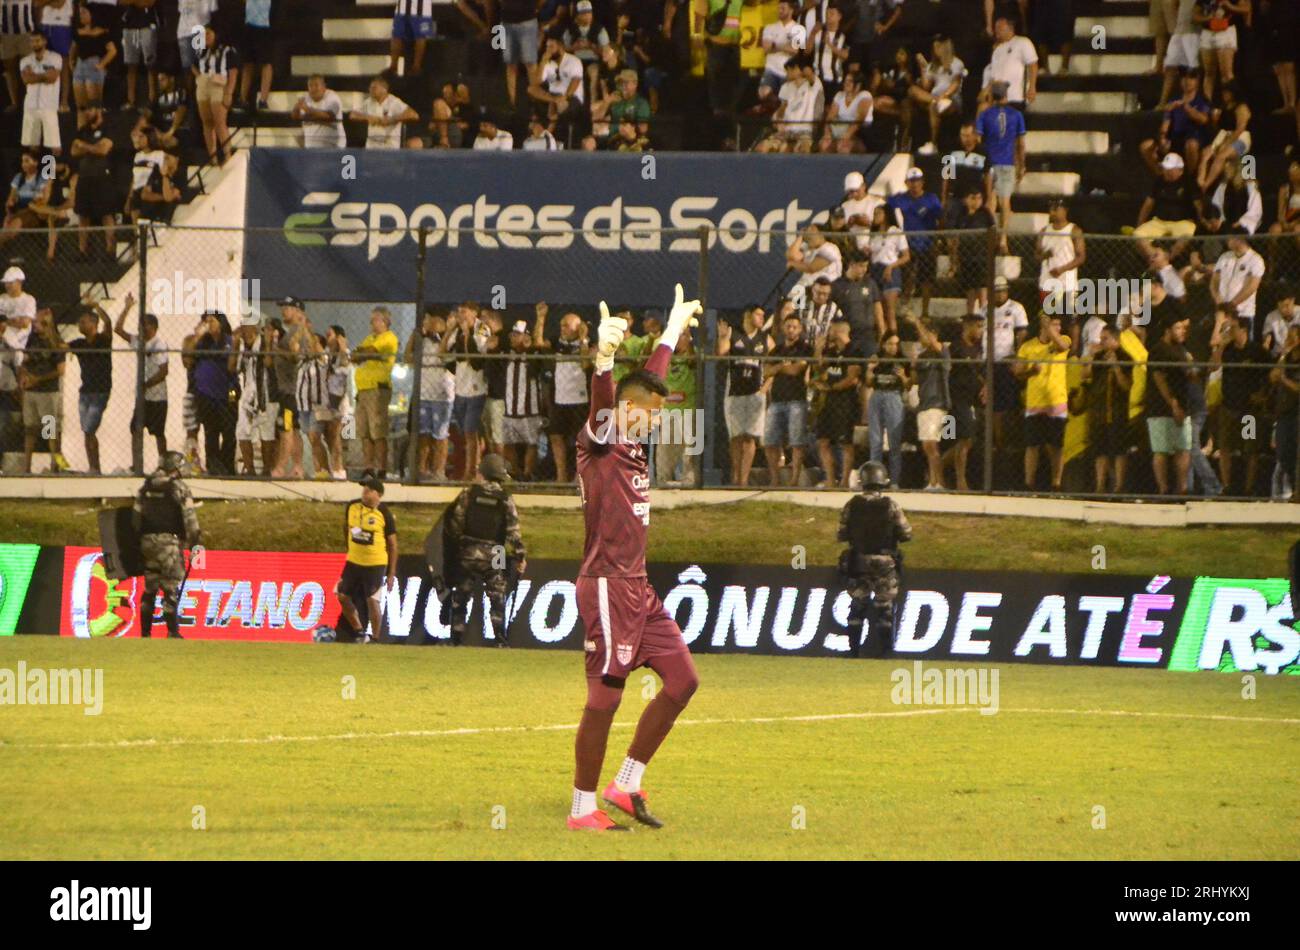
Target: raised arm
<point>683,316</point>
<point>120,328</point>
<point>609,337</point>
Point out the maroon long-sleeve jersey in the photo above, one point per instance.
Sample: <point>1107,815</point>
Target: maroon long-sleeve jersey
<point>614,480</point>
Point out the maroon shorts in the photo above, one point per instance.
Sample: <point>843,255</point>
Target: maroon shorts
<point>627,626</point>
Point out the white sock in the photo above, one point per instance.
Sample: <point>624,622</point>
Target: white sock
<point>629,776</point>
<point>584,803</point>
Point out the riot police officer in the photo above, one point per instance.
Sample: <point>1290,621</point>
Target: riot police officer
<point>482,522</point>
<point>873,526</point>
<point>163,514</point>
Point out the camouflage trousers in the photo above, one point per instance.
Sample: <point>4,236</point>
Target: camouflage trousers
<point>478,573</point>
<point>164,568</point>
<point>872,595</point>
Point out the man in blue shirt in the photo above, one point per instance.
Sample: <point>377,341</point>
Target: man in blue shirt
<point>1002,133</point>
<point>917,210</point>
<point>1186,127</point>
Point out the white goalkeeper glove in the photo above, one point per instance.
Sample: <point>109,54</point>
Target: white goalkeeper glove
<point>609,337</point>
<point>682,315</point>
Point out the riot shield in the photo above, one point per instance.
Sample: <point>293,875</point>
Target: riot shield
<point>121,543</point>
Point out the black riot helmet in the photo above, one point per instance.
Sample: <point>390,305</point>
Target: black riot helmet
<point>494,468</point>
<point>174,463</point>
<point>873,475</point>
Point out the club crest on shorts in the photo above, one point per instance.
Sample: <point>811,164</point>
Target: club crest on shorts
<point>624,653</point>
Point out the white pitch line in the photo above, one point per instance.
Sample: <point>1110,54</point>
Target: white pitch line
<point>1209,717</point>
<point>572,726</point>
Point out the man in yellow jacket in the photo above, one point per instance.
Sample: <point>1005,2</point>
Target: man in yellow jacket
<point>374,360</point>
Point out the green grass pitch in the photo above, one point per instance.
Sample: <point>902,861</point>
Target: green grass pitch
<point>467,753</point>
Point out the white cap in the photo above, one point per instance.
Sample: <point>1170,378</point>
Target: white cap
<point>1000,283</point>
<point>913,173</point>
<point>853,181</point>
<point>14,273</point>
<point>1171,161</point>
<point>521,326</point>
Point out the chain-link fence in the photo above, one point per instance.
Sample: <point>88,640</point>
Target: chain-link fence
<point>1116,366</point>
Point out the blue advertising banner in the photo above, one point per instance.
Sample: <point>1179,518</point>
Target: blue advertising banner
<point>568,227</point>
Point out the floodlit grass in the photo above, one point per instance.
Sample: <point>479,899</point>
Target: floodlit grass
<point>440,747</point>
<point>746,532</point>
<point>261,739</point>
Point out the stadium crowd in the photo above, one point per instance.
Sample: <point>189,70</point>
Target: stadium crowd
<point>820,381</point>
<point>851,346</point>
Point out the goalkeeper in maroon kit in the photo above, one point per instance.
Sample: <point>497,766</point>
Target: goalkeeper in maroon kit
<point>626,624</point>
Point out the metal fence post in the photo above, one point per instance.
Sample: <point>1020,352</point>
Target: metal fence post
<point>1295,468</point>
<point>700,350</point>
<point>990,364</point>
<point>137,437</point>
<point>413,417</point>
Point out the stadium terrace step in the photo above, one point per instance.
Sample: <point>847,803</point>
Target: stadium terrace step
<point>1098,103</point>
<point>285,101</point>
<point>1028,221</point>
<point>1049,183</point>
<point>1008,266</point>
<point>1106,64</point>
<point>1096,213</point>
<point>269,137</point>
<point>1114,46</point>
<point>1077,122</point>
<point>358,47</point>
<point>947,308</point>
<point>352,64</point>
<point>1116,27</point>
<point>356,29</point>
<point>1040,143</point>
<point>444,11</point>
<point>1144,87</point>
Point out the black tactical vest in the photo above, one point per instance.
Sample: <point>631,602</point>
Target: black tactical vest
<point>485,514</point>
<point>871,527</point>
<point>161,513</point>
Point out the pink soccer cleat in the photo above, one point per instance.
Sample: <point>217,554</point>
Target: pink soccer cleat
<point>632,803</point>
<point>595,821</point>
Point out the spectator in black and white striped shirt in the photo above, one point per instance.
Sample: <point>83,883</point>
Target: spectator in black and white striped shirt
<point>829,46</point>
<point>256,420</point>
<point>412,21</point>
<point>313,401</point>
<point>17,23</point>
<point>337,382</point>
<point>569,402</point>
<point>169,111</point>
<point>819,310</point>
<point>522,422</point>
<point>215,76</point>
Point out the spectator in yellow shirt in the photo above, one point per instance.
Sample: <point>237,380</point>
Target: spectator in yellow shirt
<point>374,360</point>
<point>1047,396</point>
